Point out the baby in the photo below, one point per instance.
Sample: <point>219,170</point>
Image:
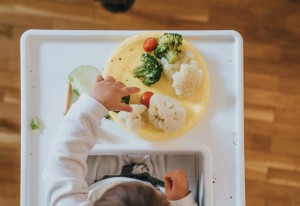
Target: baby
<point>74,178</point>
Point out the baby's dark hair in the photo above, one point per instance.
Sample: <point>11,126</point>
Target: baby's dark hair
<point>132,194</point>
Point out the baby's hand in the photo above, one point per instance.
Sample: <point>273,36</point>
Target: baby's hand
<point>177,184</point>
<point>109,93</point>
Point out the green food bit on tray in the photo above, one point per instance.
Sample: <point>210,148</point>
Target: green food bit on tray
<point>107,116</point>
<point>35,125</point>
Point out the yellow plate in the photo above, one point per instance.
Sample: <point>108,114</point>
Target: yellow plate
<point>126,57</point>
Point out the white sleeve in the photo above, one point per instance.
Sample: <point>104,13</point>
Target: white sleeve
<point>186,201</point>
<point>66,167</point>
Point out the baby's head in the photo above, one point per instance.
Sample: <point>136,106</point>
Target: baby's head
<point>132,194</point>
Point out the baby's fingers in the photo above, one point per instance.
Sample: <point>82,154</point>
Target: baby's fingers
<point>129,90</point>
<point>99,78</point>
<point>176,182</point>
<point>168,183</point>
<point>110,79</point>
<point>124,107</point>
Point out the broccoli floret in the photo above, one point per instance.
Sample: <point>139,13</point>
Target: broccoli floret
<point>150,70</point>
<point>168,47</point>
<point>125,99</point>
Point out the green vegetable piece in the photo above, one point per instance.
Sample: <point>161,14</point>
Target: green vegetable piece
<point>149,71</point>
<point>107,116</point>
<point>125,99</point>
<point>83,78</point>
<point>168,47</point>
<point>35,125</point>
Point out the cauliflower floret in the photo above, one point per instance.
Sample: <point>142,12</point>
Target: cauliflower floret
<point>185,57</point>
<point>170,69</point>
<point>187,79</point>
<point>133,120</point>
<point>165,113</point>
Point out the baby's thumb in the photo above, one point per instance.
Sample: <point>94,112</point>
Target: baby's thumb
<point>99,78</point>
<point>168,184</point>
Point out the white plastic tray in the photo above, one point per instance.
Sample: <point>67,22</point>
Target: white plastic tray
<point>48,56</point>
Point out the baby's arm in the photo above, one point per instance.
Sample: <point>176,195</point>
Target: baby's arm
<point>177,189</point>
<point>66,168</point>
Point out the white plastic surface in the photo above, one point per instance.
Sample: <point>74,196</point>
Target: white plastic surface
<point>47,57</point>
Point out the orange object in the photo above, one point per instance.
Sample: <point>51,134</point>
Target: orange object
<point>150,44</point>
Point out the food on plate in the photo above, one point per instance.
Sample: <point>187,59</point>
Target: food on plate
<point>149,71</point>
<point>145,99</point>
<point>34,124</point>
<point>133,120</point>
<point>168,47</point>
<point>149,44</point>
<point>185,74</point>
<point>178,66</point>
<point>170,69</point>
<point>166,113</point>
<point>175,55</point>
<point>83,78</point>
<point>125,99</point>
<point>187,80</point>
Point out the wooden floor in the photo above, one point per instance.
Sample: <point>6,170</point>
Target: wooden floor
<point>271,32</point>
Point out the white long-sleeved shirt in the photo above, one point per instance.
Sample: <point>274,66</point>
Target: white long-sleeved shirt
<point>66,168</point>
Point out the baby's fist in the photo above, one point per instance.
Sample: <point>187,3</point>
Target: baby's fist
<point>177,184</point>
